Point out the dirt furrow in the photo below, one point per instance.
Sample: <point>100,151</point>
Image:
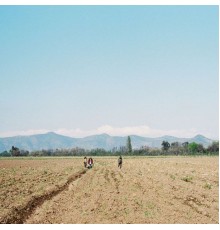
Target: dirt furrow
<point>20,214</point>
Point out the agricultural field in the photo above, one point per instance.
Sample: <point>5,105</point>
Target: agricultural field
<point>156,190</point>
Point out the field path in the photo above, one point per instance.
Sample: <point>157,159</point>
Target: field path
<point>149,191</point>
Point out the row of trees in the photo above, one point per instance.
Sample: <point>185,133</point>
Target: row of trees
<point>64,152</point>
<point>15,152</point>
<point>185,148</point>
<point>167,148</point>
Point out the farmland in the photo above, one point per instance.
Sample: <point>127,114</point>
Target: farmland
<point>146,190</point>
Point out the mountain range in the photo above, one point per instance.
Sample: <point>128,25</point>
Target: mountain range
<point>52,140</point>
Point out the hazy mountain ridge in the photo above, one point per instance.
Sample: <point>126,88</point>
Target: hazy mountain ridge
<point>53,141</point>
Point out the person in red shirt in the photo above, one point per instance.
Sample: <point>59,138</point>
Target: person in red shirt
<point>90,162</point>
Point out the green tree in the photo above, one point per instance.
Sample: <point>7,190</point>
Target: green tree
<point>175,148</point>
<point>165,145</point>
<point>201,148</point>
<point>129,146</point>
<point>185,147</point>
<point>185,144</point>
<point>15,152</point>
<point>193,147</point>
<point>214,147</point>
<point>5,154</point>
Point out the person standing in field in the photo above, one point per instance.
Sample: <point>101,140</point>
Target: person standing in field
<point>90,162</point>
<point>85,162</point>
<point>120,162</point>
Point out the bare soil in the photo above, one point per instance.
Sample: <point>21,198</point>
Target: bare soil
<point>146,190</point>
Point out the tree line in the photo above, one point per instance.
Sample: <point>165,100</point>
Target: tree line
<point>174,148</point>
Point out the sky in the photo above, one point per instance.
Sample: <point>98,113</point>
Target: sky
<point>120,70</point>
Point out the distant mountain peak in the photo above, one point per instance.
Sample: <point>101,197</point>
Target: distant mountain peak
<point>199,136</point>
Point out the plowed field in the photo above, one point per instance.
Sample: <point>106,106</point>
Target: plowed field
<point>146,190</point>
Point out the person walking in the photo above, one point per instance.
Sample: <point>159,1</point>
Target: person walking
<point>85,162</point>
<point>120,162</point>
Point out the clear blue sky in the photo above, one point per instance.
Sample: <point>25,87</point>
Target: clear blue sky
<point>83,67</point>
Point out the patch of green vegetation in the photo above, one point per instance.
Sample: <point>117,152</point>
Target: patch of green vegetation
<point>126,211</point>
<point>207,186</point>
<point>172,177</point>
<point>187,178</point>
<point>150,205</point>
<point>147,214</point>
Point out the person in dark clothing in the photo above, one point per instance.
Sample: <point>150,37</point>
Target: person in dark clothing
<point>120,162</point>
<point>85,162</point>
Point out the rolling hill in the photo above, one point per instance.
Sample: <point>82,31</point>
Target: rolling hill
<point>52,140</point>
